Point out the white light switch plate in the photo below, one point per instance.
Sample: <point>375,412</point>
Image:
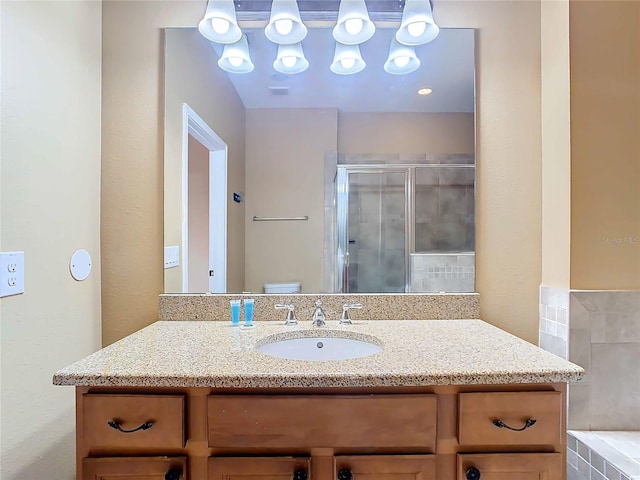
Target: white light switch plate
<point>11,273</point>
<point>171,257</point>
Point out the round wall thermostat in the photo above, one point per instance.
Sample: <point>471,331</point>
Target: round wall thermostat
<point>80,264</point>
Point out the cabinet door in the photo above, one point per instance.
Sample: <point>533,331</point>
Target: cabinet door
<point>385,467</point>
<point>510,466</point>
<point>266,468</point>
<point>135,468</point>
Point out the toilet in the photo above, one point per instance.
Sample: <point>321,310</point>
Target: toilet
<point>291,287</point>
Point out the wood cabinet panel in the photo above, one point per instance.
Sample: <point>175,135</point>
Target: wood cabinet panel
<point>165,412</point>
<point>252,468</point>
<point>479,411</point>
<point>511,466</point>
<point>394,421</point>
<point>135,468</point>
<point>388,467</point>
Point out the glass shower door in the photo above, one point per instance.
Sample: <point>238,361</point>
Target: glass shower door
<point>372,230</point>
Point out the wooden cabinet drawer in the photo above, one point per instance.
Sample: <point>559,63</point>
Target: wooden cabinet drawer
<point>394,421</point>
<point>135,468</point>
<point>405,467</point>
<point>161,415</point>
<point>507,418</point>
<point>252,468</point>
<point>510,466</point>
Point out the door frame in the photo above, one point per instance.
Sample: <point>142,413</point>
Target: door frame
<point>194,125</point>
<point>342,218</point>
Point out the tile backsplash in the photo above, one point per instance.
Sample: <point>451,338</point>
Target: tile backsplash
<point>554,318</point>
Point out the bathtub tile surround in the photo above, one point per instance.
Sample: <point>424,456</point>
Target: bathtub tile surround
<point>602,336</point>
<point>375,306</point>
<point>443,272</point>
<point>601,455</point>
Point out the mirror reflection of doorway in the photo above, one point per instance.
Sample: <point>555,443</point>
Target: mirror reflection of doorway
<point>198,221</point>
<point>204,206</point>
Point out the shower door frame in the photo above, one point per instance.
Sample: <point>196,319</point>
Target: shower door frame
<point>342,218</point>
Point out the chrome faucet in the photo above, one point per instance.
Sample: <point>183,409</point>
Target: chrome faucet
<point>318,315</point>
<point>345,319</point>
<point>291,314</point>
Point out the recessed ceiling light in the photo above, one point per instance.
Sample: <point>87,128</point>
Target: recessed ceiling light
<point>424,91</point>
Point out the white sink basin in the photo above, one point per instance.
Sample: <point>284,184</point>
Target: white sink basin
<point>319,348</point>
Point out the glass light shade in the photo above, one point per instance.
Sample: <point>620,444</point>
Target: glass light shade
<point>402,59</point>
<point>278,31</point>
<point>290,59</point>
<point>417,26</point>
<point>284,26</point>
<point>353,14</point>
<point>347,60</point>
<point>219,23</point>
<point>235,57</point>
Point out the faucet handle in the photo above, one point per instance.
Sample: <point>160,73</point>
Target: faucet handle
<point>291,314</point>
<point>345,318</point>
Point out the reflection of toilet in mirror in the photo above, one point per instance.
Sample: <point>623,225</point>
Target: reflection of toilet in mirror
<point>291,287</point>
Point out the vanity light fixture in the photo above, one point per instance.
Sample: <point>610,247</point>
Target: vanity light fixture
<point>285,26</point>
<point>425,91</point>
<point>417,26</point>
<point>347,60</point>
<point>235,57</point>
<point>354,25</point>
<point>290,59</point>
<point>402,59</point>
<point>219,23</point>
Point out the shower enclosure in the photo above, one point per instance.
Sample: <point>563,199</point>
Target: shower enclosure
<point>404,228</point>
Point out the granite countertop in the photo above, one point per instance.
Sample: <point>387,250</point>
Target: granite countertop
<point>415,353</point>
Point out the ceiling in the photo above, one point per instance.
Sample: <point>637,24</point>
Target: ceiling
<point>447,67</point>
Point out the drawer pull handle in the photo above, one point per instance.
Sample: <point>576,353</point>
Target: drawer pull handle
<point>300,475</point>
<point>172,474</point>
<point>345,474</point>
<point>528,423</point>
<point>144,426</point>
<point>472,473</point>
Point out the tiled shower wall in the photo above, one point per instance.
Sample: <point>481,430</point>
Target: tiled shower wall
<point>442,272</point>
<point>603,336</point>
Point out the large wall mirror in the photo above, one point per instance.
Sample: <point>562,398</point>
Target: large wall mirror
<point>334,183</point>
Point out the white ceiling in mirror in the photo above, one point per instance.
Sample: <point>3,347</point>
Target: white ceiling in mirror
<point>447,67</point>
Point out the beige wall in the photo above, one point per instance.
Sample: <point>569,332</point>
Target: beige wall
<point>406,133</point>
<point>605,145</point>
<point>508,177</point>
<point>192,77</point>
<point>508,139</point>
<point>50,180</point>
<point>285,177</point>
<point>198,216</point>
<point>556,145</point>
<point>132,158</point>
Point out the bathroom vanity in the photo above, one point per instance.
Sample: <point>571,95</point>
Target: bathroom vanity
<point>443,400</point>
